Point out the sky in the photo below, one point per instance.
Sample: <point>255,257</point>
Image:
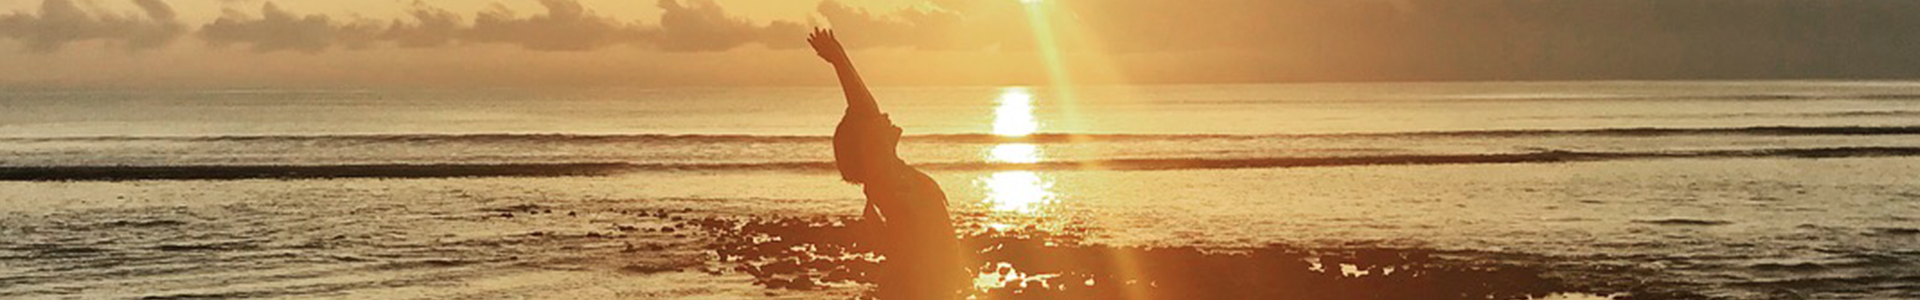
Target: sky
<point>466,43</point>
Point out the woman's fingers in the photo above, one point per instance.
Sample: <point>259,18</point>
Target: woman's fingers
<point>821,37</point>
<point>825,44</point>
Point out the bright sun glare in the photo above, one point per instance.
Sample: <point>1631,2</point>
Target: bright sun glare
<point>1014,114</point>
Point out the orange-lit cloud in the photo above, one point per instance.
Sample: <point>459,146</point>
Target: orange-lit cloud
<point>430,27</point>
<point>276,29</point>
<point>60,22</point>
<point>921,28</point>
<point>701,25</point>
<point>566,25</point>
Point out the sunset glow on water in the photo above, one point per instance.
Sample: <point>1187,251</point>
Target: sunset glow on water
<point>1226,181</point>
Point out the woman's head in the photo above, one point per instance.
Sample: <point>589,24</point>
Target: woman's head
<point>863,147</point>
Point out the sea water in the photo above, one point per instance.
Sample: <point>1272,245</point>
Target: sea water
<point>1653,190</point>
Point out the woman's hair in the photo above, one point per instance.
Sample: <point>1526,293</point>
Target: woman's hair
<point>846,151</point>
<point>862,144</point>
<point>852,142</point>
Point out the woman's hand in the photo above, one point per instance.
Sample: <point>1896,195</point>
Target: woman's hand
<point>827,46</point>
<point>859,99</point>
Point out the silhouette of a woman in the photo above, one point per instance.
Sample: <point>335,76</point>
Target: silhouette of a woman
<point>906,210</point>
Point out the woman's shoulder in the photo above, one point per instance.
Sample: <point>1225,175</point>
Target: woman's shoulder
<point>904,178</point>
<point>924,186</point>
<point>917,178</point>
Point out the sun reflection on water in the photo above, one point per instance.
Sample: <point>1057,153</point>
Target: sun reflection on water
<point>1014,114</point>
<point>1022,192</point>
<point>1019,153</point>
<point>1017,191</point>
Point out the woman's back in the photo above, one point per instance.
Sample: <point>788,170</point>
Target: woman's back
<point>923,258</point>
<point>911,202</point>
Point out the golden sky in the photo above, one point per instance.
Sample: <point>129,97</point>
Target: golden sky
<point>246,43</point>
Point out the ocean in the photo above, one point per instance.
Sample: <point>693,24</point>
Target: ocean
<point>1506,190</point>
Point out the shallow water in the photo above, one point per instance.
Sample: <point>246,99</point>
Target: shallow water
<point>1742,228</point>
<point>1632,190</point>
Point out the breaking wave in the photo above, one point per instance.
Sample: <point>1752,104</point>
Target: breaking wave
<point>218,172</point>
<point>540,138</point>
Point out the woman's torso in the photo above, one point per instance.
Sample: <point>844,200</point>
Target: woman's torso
<point>913,205</point>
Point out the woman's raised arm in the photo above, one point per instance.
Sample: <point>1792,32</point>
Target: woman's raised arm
<point>859,99</point>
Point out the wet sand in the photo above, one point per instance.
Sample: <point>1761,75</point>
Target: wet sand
<point>811,254</point>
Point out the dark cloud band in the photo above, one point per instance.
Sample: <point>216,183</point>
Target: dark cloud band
<point>566,25</point>
<point>60,22</point>
<point>1201,41</point>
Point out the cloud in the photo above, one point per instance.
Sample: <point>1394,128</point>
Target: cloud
<point>921,28</point>
<point>701,25</point>
<point>1520,39</point>
<point>1148,40</point>
<point>430,27</point>
<point>566,26</point>
<point>277,29</point>
<point>60,22</point>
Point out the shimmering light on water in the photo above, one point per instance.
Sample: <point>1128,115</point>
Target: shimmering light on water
<point>1017,191</point>
<point>1014,153</point>
<point>1022,192</point>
